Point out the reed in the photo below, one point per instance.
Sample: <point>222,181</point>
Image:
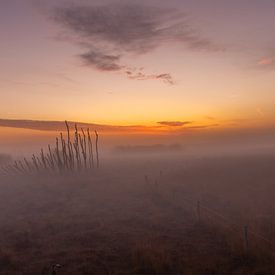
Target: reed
<point>70,155</point>
<point>96,148</point>
<point>90,148</point>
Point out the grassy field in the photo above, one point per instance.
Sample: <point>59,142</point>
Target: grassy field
<point>143,215</point>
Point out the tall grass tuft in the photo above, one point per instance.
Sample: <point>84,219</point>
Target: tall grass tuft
<point>70,155</point>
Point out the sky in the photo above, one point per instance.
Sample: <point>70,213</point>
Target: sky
<point>157,64</point>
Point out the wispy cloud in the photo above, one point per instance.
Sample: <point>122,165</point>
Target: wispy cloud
<point>260,112</point>
<point>267,62</point>
<point>108,33</point>
<point>103,62</point>
<point>210,117</point>
<point>160,127</point>
<point>174,123</point>
<point>140,75</point>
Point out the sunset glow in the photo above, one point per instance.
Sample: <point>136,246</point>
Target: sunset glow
<point>152,61</point>
<point>137,137</point>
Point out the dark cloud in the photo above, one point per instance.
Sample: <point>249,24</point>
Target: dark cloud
<point>204,126</point>
<point>135,28</point>
<point>174,123</point>
<point>102,62</point>
<point>60,126</point>
<point>132,27</point>
<point>140,75</point>
<point>110,32</point>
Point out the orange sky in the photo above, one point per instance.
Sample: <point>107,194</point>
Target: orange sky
<point>196,61</point>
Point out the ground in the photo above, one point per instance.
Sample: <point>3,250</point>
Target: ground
<point>142,215</point>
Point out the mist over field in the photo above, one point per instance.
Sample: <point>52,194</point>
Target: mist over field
<point>152,208</point>
<point>137,137</point>
<point>23,142</point>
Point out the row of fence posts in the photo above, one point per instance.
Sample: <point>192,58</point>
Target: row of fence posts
<point>245,228</point>
<point>199,217</point>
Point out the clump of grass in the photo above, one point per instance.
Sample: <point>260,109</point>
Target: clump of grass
<point>151,259</point>
<point>69,155</point>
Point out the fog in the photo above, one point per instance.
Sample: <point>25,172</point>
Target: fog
<point>5,158</point>
<point>24,142</point>
<point>153,206</point>
<point>165,164</point>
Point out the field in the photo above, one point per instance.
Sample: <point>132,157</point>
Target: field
<point>158,214</point>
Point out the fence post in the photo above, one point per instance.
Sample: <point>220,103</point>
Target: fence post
<point>146,179</point>
<point>246,238</point>
<point>199,211</point>
<point>271,232</point>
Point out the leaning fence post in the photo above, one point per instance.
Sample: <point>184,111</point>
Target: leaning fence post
<point>146,179</point>
<point>246,238</point>
<point>199,211</point>
<point>271,231</point>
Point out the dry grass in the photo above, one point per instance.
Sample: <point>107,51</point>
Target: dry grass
<point>67,156</point>
<point>118,221</point>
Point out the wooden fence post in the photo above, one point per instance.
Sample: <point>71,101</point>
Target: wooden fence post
<point>199,211</point>
<point>246,238</point>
